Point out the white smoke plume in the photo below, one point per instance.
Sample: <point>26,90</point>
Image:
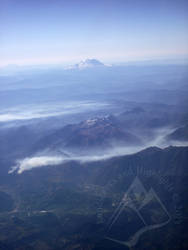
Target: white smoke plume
<point>47,158</point>
<point>57,159</point>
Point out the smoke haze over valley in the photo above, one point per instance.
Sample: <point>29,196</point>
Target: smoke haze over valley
<point>72,118</point>
<point>63,132</point>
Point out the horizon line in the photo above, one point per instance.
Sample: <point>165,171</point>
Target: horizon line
<point>171,60</point>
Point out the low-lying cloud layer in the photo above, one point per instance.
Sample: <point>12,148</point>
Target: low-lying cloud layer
<point>27,112</point>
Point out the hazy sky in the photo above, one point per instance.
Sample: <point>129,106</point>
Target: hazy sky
<point>53,31</point>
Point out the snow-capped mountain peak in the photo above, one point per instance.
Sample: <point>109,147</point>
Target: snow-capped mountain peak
<point>88,63</point>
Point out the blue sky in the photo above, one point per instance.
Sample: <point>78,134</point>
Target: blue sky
<point>60,31</point>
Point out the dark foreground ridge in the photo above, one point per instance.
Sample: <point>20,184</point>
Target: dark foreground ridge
<point>72,206</point>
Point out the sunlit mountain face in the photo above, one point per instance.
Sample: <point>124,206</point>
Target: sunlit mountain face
<point>94,156</point>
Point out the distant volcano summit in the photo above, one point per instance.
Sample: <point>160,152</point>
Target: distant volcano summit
<point>88,63</point>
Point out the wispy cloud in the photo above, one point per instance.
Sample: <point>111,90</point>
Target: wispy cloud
<point>27,112</point>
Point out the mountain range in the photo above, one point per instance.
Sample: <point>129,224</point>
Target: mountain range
<point>93,134</point>
<point>59,207</point>
<point>86,161</point>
